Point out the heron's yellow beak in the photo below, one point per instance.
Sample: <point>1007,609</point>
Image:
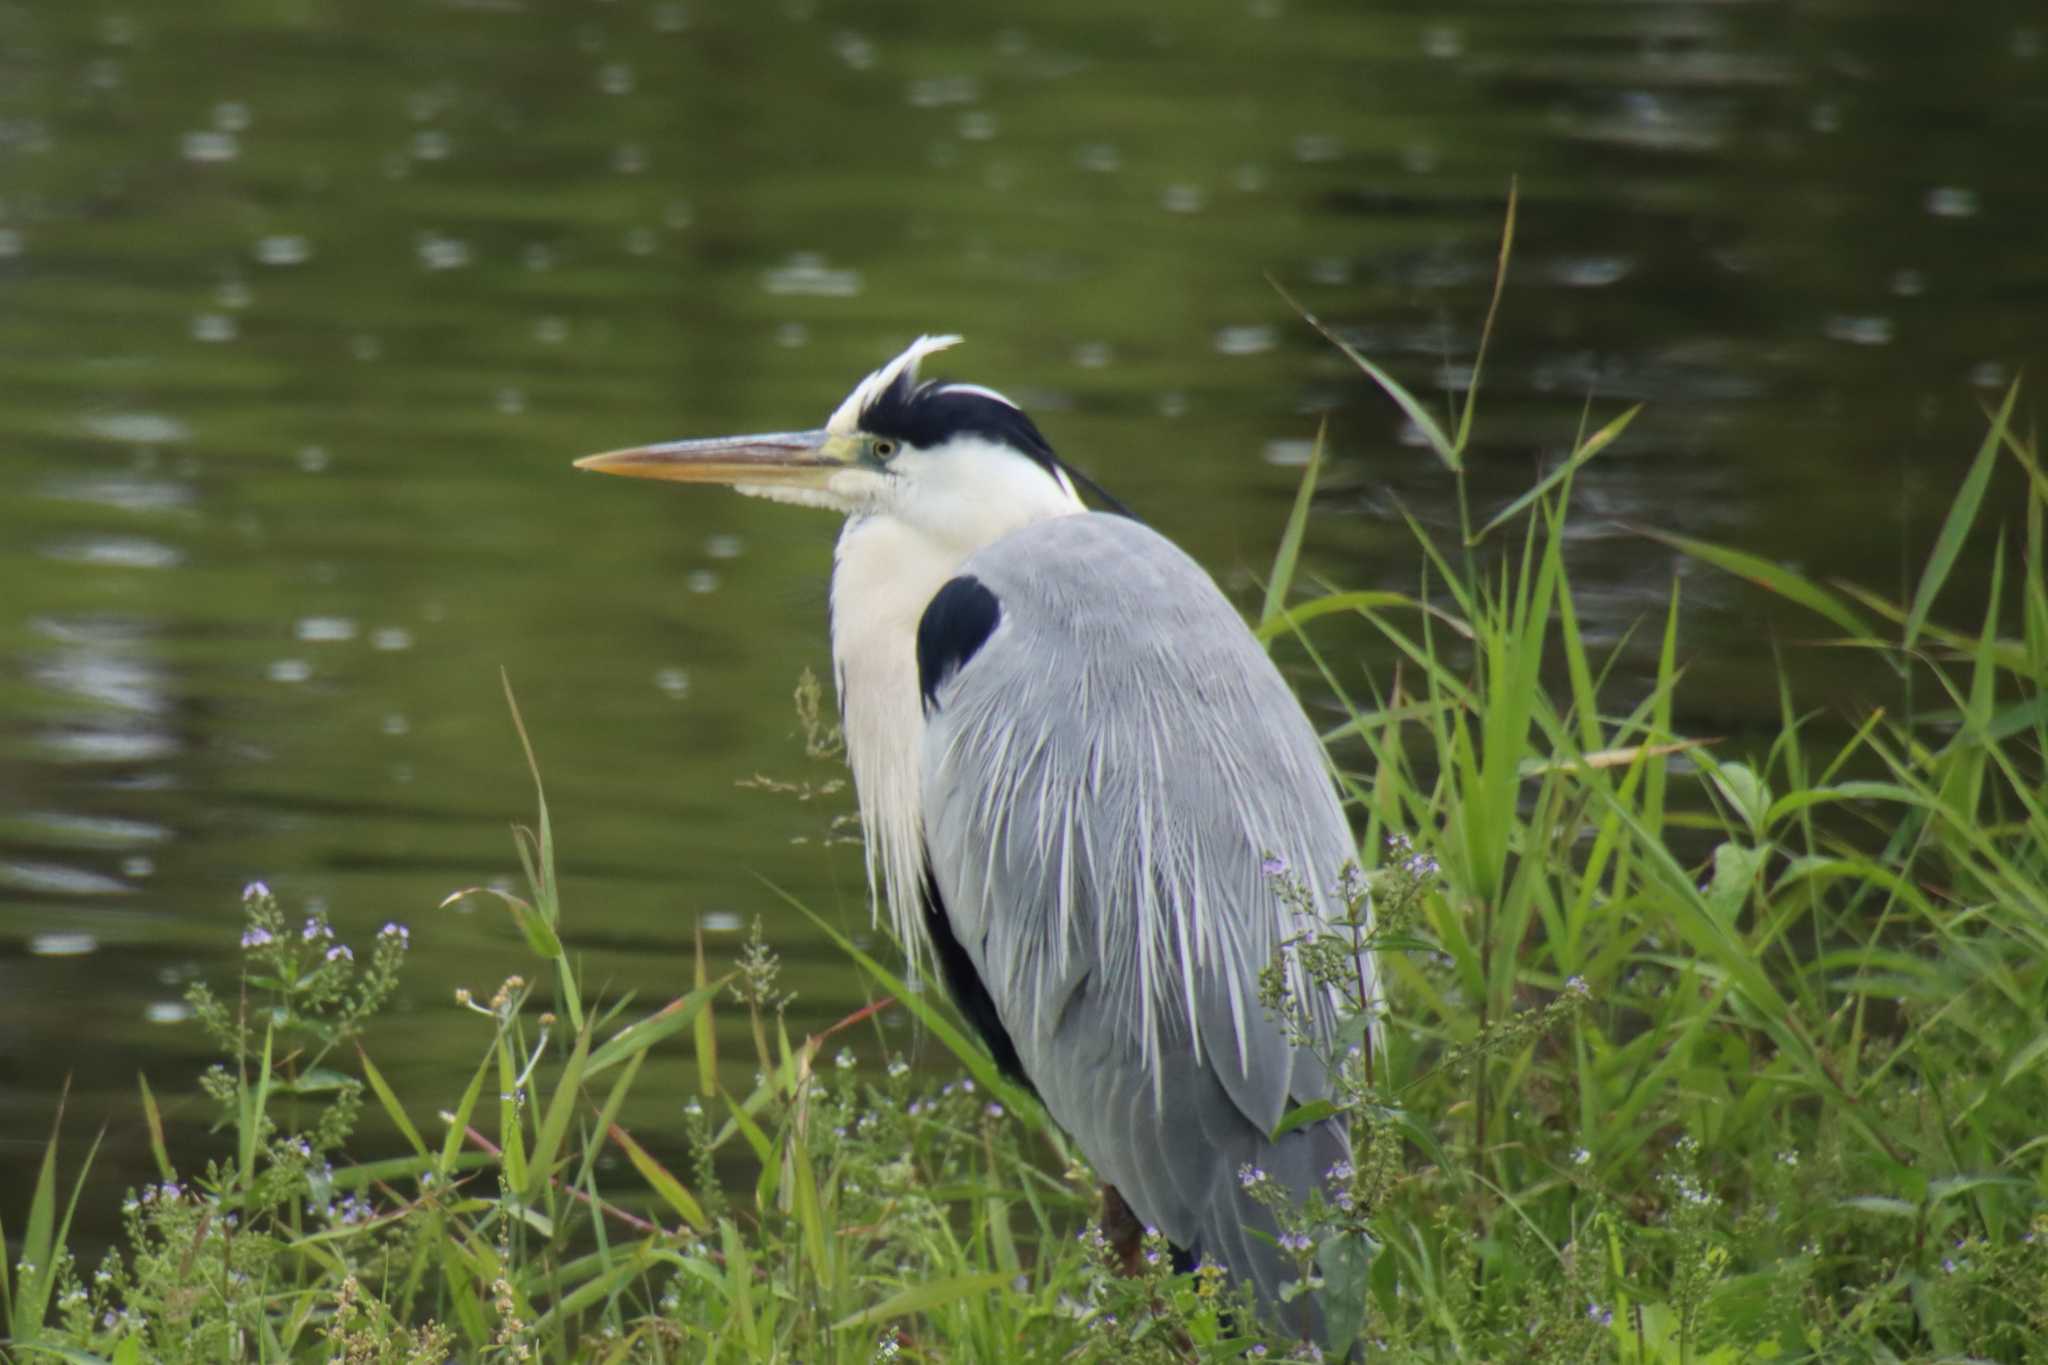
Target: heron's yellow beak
<point>784,459</point>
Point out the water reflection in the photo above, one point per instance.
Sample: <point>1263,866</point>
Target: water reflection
<point>62,945</point>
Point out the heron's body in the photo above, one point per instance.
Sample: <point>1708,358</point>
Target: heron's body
<point>1074,763</point>
<point>1119,917</point>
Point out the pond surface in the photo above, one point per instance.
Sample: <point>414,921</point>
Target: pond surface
<point>306,306</point>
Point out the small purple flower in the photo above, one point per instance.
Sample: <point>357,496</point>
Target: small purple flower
<point>1249,1175</point>
<point>255,891</point>
<point>315,929</point>
<point>255,937</point>
<point>397,931</point>
<point>1294,1241</point>
<point>340,953</point>
<point>1603,1316</point>
<point>1273,865</point>
<point>994,1110</point>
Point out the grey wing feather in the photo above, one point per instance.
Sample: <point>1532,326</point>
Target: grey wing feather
<point>1101,783</point>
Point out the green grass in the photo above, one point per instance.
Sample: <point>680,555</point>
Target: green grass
<point>1687,1053</point>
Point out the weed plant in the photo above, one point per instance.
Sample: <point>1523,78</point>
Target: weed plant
<point>1685,1055</point>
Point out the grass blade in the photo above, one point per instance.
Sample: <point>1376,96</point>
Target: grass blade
<point>554,1126</point>
<point>919,1298</point>
<point>670,1019</point>
<point>1500,279</point>
<point>153,1119</point>
<point>388,1099</point>
<point>1955,528</point>
<point>706,1029</point>
<point>1410,406</point>
<point>660,1179</point>
<point>1289,553</point>
<point>1772,577</point>
<point>1292,619</point>
<point>1594,444</point>
<point>970,1055</point>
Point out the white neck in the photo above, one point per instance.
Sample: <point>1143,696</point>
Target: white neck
<point>890,561</point>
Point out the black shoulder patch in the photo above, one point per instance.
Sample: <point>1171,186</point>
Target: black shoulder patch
<point>956,624</point>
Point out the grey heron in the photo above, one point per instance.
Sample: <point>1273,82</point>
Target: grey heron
<point>1074,763</point>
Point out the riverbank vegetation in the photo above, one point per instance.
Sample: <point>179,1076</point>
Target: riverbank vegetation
<point>1692,1051</point>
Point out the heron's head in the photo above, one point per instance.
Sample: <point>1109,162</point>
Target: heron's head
<point>955,460</point>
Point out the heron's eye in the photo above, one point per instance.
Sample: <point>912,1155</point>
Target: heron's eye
<point>883,448</point>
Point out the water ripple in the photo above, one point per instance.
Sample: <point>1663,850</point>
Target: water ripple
<point>109,679</point>
<point>58,879</point>
<point>120,552</point>
<point>118,491</point>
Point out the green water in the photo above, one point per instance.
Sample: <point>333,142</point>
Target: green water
<point>305,307</point>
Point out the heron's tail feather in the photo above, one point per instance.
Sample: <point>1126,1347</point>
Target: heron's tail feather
<point>1237,1229</point>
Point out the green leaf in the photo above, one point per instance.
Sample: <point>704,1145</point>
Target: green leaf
<point>365,1174</point>
<point>918,1298</point>
<point>1948,1187</point>
<point>564,1314</point>
<point>1735,869</point>
<point>1743,789</point>
<point>532,926</point>
<point>1303,1114</point>
<point>1883,1205</point>
<point>2026,1059</point>
<point>78,1357</point>
<point>319,1080</point>
<point>1345,1260</point>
